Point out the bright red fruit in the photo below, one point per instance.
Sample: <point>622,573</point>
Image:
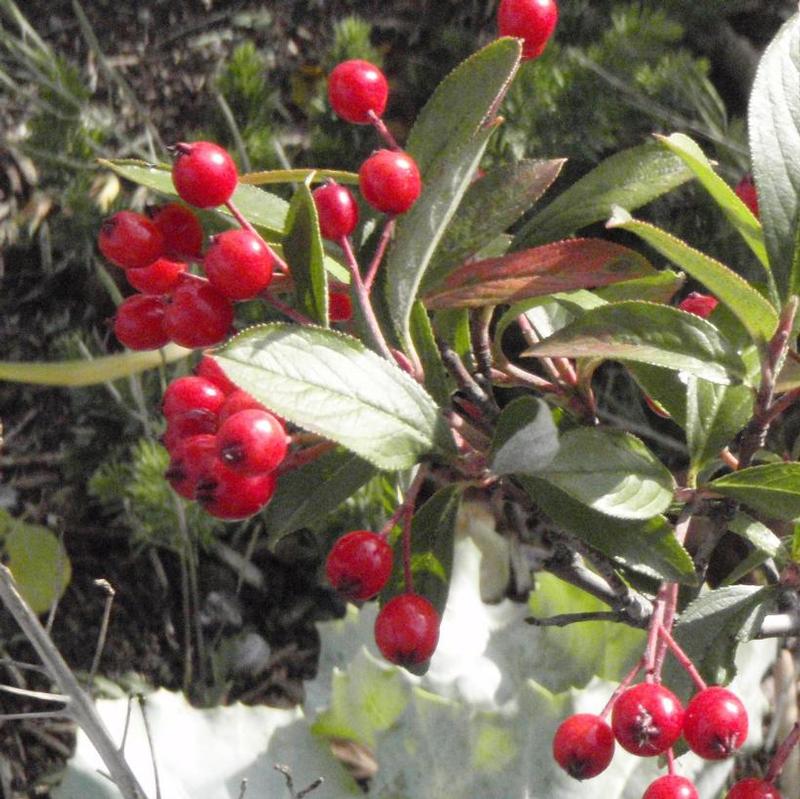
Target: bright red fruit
<point>715,724</point>
<point>355,88</point>
<point>252,441</point>
<point>237,401</point>
<point>337,210</point>
<point>671,786</point>
<point>231,495</point>
<point>185,425</point>
<point>647,719</point>
<point>204,174</point>
<point>753,788</point>
<point>359,564</point>
<point>139,323</point>
<point>190,459</point>
<point>390,181</point>
<point>238,264</point>
<point>198,315</point>
<point>191,393</point>
<point>701,305</point>
<point>211,370</point>
<point>181,229</point>
<point>159,277</point>
<point>340,307</point>
<point>533,21</point>
<point>583,745</point>
<point>130,240</point>
<point>407,630</point>
<point>746,192</point>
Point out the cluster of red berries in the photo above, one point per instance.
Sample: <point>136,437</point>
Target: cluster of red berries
<point>647,719</point>
<point>224,445</point>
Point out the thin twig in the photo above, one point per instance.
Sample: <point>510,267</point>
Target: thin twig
<point>149,735</point>
<point>101,637</point>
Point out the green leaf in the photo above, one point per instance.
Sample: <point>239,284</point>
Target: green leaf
<point>303,250</point>
<point>561,266</point>
<point>331,384</point>
<point>736,212</point>
<point>447,141</point>
<point>772,489</point>
<point>437,380</point>
<point>306,495</point>
<point>666,386</point>
<point>270,176</point>
<point>490,206</point>
<point>630,179</point>
<point>774,126</point>
<point>756,533</point>
<point>648,547</point>
<point>526,438</point>
<point>660,287</point>
<point>648,333</point>
<point>751,308</point>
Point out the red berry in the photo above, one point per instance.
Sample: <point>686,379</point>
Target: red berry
<point>252,441</point>
<point>390,181</point>
<point>211,370</point>
<point>359,564</point>
<point>699,304</point>
<point>715,724</point>
<point>753,788</point>
<point>355,88</point>
<point>337,210</point>
<point>139,323</point>
<point>237,401</point>
<point>533,21</point>
<point>746,192</point>
<point>198,315</point>
<point>185,425</point>
<point>583,745</point>
<point>340,307</point>
<point>181,229</point>
<point>238,264</point>
<point>647,719</point>
<point>228,494</point>
<point>191,393</point>
<point>159,277</point>
<point>407,630</point>
<point>130,240</point>
<point>204,174</point>
<point>671,786</point>
<point>190,459</point>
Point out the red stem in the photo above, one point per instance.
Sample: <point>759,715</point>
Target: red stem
<point>246,224</point>
<point>372,271</point>
<point>622,687</point>
<point>682,658</point>
<point>383,131</point>
<point>782,755</point>
<point>652,634</point>
<point>285,309</point>
<point>303,456</point>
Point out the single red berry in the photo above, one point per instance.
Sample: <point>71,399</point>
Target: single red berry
<point>252,441</point>
<point>181,229</point>
<point>647,719</point>
<point>583,745</point>
<point>340,306</point>
<point>159,277</point>
<point>191,393</point>
<point>130,240</point>
<point>139,323</point>
<point>198,315</point>
<point>238,264</point>
<point>407,630</point>
<point>390,181</point>
<point>671,786</point>
<point>181,426</point>
<point>228,494</point>
<point>359,564</point>
<point>190,459</point>
<point>211,370</point>
<point>715,724</point>
<point>533,21</point>
<point>699,304</point>
<point>337,210</point>
<point>204,174</point>
<point>746,192</point>
<point>237,401</point>
<point>753,788</point>
<point>355,88</point>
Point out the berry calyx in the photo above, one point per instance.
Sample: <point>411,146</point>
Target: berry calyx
<point>211,370</point>
<point>671,786</point>
<point>337,210</point>
<point>355,88</point>
<point>231,495</point>
<point>647,719</point>
<point>407,630</point>
<point>340,307</point>
<point>390,181</point>
<point>198,315</point>
<point>746,192</point>
<point>583,745</point>
<point>252,441</point>
<point>181,229</point>
<point>139,323</point>
<point>753,788</point>
<point>715,724</point>
<point>130,240</point>
<point>190,394</point>
<point>238,264</point>
<point>204,174</point>
<point>533,21</point>
<point>699,304</point>
<point>159,277</point>
<point>359,564</point>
